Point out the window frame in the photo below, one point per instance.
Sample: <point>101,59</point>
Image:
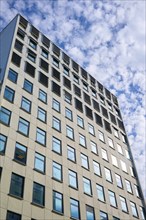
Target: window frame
<point>21,150</point>
<point>25,126</point>
<point>39,159</point>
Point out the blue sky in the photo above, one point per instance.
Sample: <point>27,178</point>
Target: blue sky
<point>108,39</point>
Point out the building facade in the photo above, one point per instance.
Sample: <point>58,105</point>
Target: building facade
<point>64,151</point>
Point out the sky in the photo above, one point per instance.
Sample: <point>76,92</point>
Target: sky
<point>107,38</point>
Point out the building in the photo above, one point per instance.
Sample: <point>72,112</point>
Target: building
<point>64,151</point>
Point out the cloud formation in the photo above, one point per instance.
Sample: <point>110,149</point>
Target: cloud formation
<point>108,40</point>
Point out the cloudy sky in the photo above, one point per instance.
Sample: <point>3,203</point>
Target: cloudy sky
<point>107,38</point>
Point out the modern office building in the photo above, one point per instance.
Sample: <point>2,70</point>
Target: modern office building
<point>64,152</point>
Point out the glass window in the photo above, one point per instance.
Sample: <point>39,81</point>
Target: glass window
<point>5,116</point>
<point>112,198</point>
<point>38,194</point>
<point>17,185</point>
<point>80,121</point>
<point>56,145</point>
<point>104,154</point>
<point>119,180</point>
<point>123,138</point>
<point>91,129</point>
<point>82,140</point>
<point>142,213</point>
<point>23,126</point>
<point>137,190</point>
<point>13,216</point>
<point>69,132</point>
<point>12,76</point>
<point>31,55</point>
<point>74,209</point>
<point>127,154</point>
<point>116,132</point>
<point>93,93</point>
<point>97,169</point>
<point>42,96</point>
<point>131,171</point>
<point>119,149</point>
<point>87,186</point>
<point>45,53</point>
<point>128,186</point>
<point>110,142</point>
<point>28,86</point>
<point>100,192</point>
<point>93,147</point>
<point>90,213</point>
<point>71,154</point>
<point>66,71</point>
<point>56,105</point>
<point>123,204</point>
<point>41,136</point>
<point>33,44</point>
<point>108,175</point>
<point>3,142</point>
<point>114,160</point>
<point>42,114</point>
<point>76,79</point>
<point>26,104</point>
<point>55,62</point>
<point>68,114</point>
<point>57,171</point>
<point>123,165</point>
<point>84,161</point>
<point>101,136</point>
<point>73,179</point>
<point>85,86</point>
<point>39,163</point>
<point>9,94</point>
<point>103,216</point>
<point>67,97</point>
<point>57,202</point>
<point>56,124</point>
<point>20,153</point>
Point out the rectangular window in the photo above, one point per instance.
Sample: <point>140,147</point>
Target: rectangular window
<point>104,154</point>
<point>56,105</point>
<point>110,142</point>
<point>9,94</point>
<point>43,79</point>
<point>55,62</point>
<point>127,154</point>
<point>21,34</point>
<point>78,105</point>
<point>114,160</point>
<point>57,202</point>
<point>77,90</point>
<point>104,112</point>
<point>112,198</point>
<point>108,175</point>
<point>20,153</point>
<point>116,132</point>
<point>90,213</point>
<point>113,119</point>
<point>57,171</point>
<point>66,71</point>
<point>134,209</point>
<point>107,126</point>
<point>13,216</point>
<point>103,216</point>
<point>42,114</point>
<point>55,74</point>
<point>85,86</point>
<point>74,209</point>
<point>16,59</point>
<point>123,165</point>
<point>132,171</point>
<point>44,65</point>
<point>56,124</point>
<point>56,88</point>
<point>56,145</point>
<point>100,193</point>
<point>69,132</point>
<point>84,161</point>
<point>93,93</point>
<point>73,179</point>
<point>97,169</point>
<point>82,140</point>
<point>39,163</point>
<point>142,213</point>
<point>34,32</point>
<point>123,138</point>
<point>56,50</point>
<point>31,55</point>
<point>128,186</point>
<point>65,58</point>
<point>96,105</point>
<point>98,120</point>
<point>68,114</point>
<point>93,147</point>
<point>119,148</point>
<point>91,129</point>
<point>84,74</point>
<point>17,185</point>
<point>88,112</point>
<point>45,53</point>
<point>75,66</point>
<point>33,44</point>
<point>123,204</point>
<point>102,100</point>
<point>101,136</point>
<point>67,97</point>
<point>87,98</point>
<point>26,104</point>
<point>87,186</point>
<point>137,190</point>
<point>3,142</point>
<point>67,82</point>
<point>119,180</point>
<point>5,116</point>
<point>41,136</point>
<point>38,194</point>
<point>76,78</point>
<point>12,76</point>
<point>80,121</point>
<point>42,96</point>
<point>28,86</point>
<point>45,41</point>
<point>23,126</point>
<point>71,154</point>
<point>28,67</point>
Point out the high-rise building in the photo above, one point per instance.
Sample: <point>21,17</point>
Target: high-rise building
<point>64,151</point>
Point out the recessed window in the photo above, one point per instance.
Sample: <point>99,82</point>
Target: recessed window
<point>55,74</point>
<point>119,180</point>
<point>85,86</point>
<point>13,216</point>
<point>76,79</point>
<point>123,165</point>
<point>115,218</point>
<point>116,132</point>
<point>80,121</point>
<point>110,142</point>
<point>71,154</point>
<point>91,129</point>
<point>18,45</point>
<point>127,154</point>
<point>67,97</point>
<point>103,215</point>
<point>39,163</point>
<point>41,136</point>
<point>101,136</point>
<point>56,50</point>
<point>114,160</point>
<point>87,186</point>
<point>112,198</point>
<point>26,104</point>
<point>56,105</point>
<point>5,116</point>
<point>119,148</point>
<point>113,118</point>
<point>82,140</point>
<point>100,192</point>
<point>90,213</point>
<point>87,98</point>
<point>38,194</point>
<point>104,154</point>
<point>102,100</point>
<point>142,213</point>
<point>109,106</point>
<point>84,161</point>
<point>55,62</point>
<point>42,114</point>
<point>23,126</point>
<point>56,145</point>
<point>43,79</point>
<point>97,169</point>
<point>56,88</point>
<point>73,179</point>
<point>9,94</point>
<point>78,105</point>
<point>132,171</point>
<point>12,76</point>
<point>69,132</point>
<point>44,65</point>
<point>93,93</point>
<point>137,190</point>
<point>28,86</point>
<point>68,114</point>
<point>108,175</point>
<point>123,204</point>
<point>3,141</point>
<point>74,209</point>
<point>96,105</point>
<point>20,153</point>
<point>45,53</point>
<point>42,96</point>
<point>33,44</point>
<point>66,71</point>
<point>93,147</point>
<point>56,124</point>
<point>57,202</point>
<point>57,171</point>
<point>77,90</point>
<point>21,33</point>
<point>31,55</point>
<point>128,186</point>
<point>16,59</point>
<point>66,82</point>
<point>98,120</point>
<point>17,185</point>
<point>45,41</point>
<point>134,209</point>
